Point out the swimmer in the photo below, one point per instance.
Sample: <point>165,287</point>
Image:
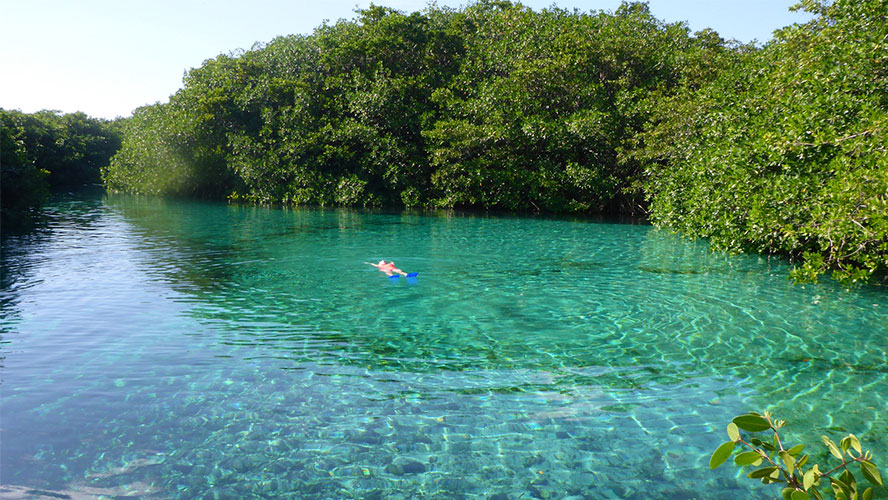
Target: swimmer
<point>387,267</point>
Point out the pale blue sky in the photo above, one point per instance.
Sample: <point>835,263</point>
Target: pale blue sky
<point>108,57</point>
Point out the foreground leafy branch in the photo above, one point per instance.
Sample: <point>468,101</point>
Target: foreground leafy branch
<point>788,466</point>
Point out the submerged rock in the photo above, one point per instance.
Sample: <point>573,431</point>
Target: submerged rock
<point>413,467</point>
<point>405,466</point>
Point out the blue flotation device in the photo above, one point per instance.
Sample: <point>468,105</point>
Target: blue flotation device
<point>409,275</point>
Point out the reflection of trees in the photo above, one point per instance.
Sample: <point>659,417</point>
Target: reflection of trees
<point>204,236</point>
<point>22,250</point>
<point>173,233</point>
<point>17,254</point>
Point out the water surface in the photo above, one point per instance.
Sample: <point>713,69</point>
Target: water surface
<point>168,349</point>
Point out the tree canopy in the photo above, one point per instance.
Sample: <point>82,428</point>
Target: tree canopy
<point>493,106</point>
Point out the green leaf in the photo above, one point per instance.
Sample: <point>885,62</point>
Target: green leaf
<point>721,454</point>
<point>795,450</point>
<point>855,443</point>
<point>774,477</point>
<point>789,460</point>
<point>840,487</point>
<point>802,461</point>
<point>733,432</point>
<point>787,493</point>
<point>848,479</point>
<point>799,495</point>
<point>832,447</point>
<point>809,478</point>
<point>752,422</point>
<point>748,458</point>
<point>845,443</point>
<point>763,472</point>
<point>867,494</point>
<point>871,473</point>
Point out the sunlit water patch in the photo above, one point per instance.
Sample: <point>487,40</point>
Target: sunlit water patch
<point>164,349</point>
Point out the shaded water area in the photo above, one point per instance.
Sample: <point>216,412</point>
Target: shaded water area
<point>169,349</point>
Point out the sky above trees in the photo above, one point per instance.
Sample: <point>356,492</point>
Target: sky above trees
<point>106,57</point>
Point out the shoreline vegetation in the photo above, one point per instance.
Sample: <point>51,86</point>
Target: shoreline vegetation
<point>49,152</point>
<point>777,149</point>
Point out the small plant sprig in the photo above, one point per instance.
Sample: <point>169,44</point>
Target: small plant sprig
<point>790,468</point>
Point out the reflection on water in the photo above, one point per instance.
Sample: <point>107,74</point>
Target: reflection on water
<point>174,349</point>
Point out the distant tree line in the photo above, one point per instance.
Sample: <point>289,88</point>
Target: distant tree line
<point>776,149</point>
<point>48,151</point>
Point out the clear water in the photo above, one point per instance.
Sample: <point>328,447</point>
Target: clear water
<point>165,349</point>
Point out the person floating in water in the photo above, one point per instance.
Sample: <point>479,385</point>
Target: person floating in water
<point>387,267</point>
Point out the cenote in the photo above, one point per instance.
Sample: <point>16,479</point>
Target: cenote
<point>169,349</point>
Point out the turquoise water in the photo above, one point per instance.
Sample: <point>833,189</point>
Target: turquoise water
<point>167,349</point>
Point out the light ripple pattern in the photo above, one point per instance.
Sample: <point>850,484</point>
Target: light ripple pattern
<point>168,349</point>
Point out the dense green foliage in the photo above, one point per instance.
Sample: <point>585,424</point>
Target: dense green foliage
<point>789,467</point>
<point>779,149</point>
<point>545,104</point>
<point>787,151</point>
<point>493,106</point>
<point>48,151</point>
<point>22,184</point>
